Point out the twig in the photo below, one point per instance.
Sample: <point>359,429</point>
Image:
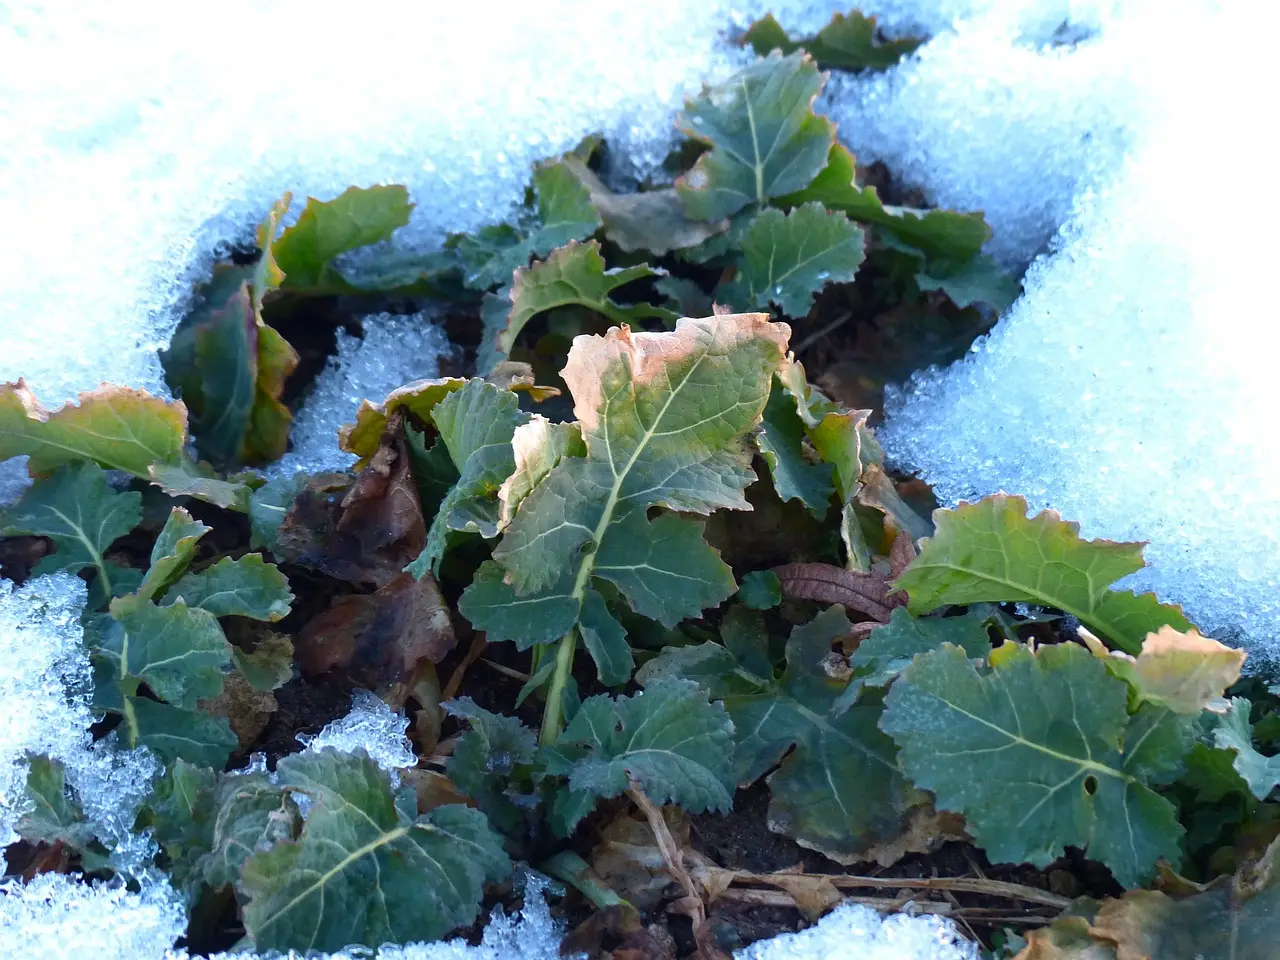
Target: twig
<point>990,888</point>
<point>818,334</point>
<point>505,670</point>
<point>478,643</point>
<point>987,915</point>
<point>572,869</point>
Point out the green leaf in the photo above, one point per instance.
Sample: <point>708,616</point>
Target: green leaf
<point>476,425</point>
<point>180,812</point>
<point>178,651</point>
<point>269,665</point>
<point>944,234</point>
<point>537,445</point>
<point>494,751</point>
<point>653,221</point>
<point>787,258</point>
<point>574,274</point>
<point>992,551</point>
<point>244,587</point>
<point>669,740</point>
<point>172,552</point>
<point>1234,733</point>
<point>251,814</point>
<point>839,790</point>
<point>269,505</point>
<point>357,218</point>
<point>781,440</point>
<point>54,815</point>
<point>605,640</point>
<point>186,479</point>
<point>115,427</point>
<point>565,212</point>
<point>75,509</point>
<point>761,590</point>
<point>1043,783</point>
<point>979,280</point>
<point>663,417</point>
<point>174,733</point>
<point>765,139</point>
<point>847,42</point>
<point>361,871</point>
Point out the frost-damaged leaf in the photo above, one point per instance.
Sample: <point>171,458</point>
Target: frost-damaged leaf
<point>362,871</point>
<point>418,398</point>
<point>476,425</point>
<point>765,139</point>
<point>944,234</point>
<point>172,552</point>
<point>356,218</point>
<point>494,751</point>
<point>54,815</point>
<point>867,593</point>
<point>251,814</point>
<point>669,740</point>
<point>572,274</point>
<point>1234,733</point>
<point>177,651</point>
<point>653,221</point>
<point>1182,672</point>
<point>787,258</point>
<point>847,42</point>
<point>116,427</point>
<point>75,509</point>
<point>662,416</point>
<point>992,551</point>
<point>538,445</point>
<point>781,440</point>
<point>378,639</point>
<point>185,479</point>
<point>839,791</point>
<point>244,587</point>
<point>564,213</point>
<point>1044,784</point>
<point>269,665</point>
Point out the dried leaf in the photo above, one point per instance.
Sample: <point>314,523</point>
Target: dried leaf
<point>246,709</point>
<point>867,593</point>
<point>1184,672</point>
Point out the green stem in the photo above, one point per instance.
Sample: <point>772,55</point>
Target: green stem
<point>553,712</point>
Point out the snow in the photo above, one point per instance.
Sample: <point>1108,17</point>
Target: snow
<point>852,930</point>
<point>372,726</point>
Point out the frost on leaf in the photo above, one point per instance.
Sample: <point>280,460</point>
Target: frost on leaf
<point>663,417</point>
<point>560,210</point>
<point>1042,783</point>
<point>53,815</point>
<point>76,509</point>
<point>1234,733</point>
<point>992,551</point>
<point>669,740</point>
<point>358,217</point>
<point>364,869</point>
<point>847,42</point>
<point>574,274</point>
<point>839,791</point>
<point>244,587</point>
<point>1183,672</point>
<point>787,258</point>
<point>115,427</point>
<point>251,813</point>
<point>765,139</point>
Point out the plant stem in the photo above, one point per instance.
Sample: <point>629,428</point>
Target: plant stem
<point>553,712</point>
<point>572,869</point>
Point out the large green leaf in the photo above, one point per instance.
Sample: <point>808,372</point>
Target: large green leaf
<point>76,509</point>
<point>945,234</point>
<point>172,552</point>
<point>243,587</point>
<point>1235,734</point>
<point>564,211</point>
<point>839,790</point>
<point>787,258</point>
<point>669,740</point>
<point>177,651</point>
<point>476,425</point>
<point>251,814</point>
<point>992,551</point>
<point>357,218</point>
<point>364,870</point>
<point>174,733</point>
<point>1039,752</point>
<point>115,427</point>
<point>663,417</point>
<point>847,42</point>
<point>765,139</point>
<point>572,274</point>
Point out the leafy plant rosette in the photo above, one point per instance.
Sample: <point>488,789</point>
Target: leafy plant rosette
<point>698,562</point>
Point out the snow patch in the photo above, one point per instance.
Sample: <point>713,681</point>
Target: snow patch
<point>852,930</point>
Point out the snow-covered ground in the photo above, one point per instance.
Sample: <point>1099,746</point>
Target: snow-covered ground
<point>1131,388</point>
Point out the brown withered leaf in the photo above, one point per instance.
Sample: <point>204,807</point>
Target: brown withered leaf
<point>813,893</point>
<point>366,533</point>
<point>247,709</point>
<point>616,933</point>
<point>1067,938</point>
<point>432,789</point>
<point>927,829</point>
<point>866,593</point>
<point>377,640</point>
<point>628,860</point>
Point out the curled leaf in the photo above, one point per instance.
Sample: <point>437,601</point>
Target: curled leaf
<point>867,593</point>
